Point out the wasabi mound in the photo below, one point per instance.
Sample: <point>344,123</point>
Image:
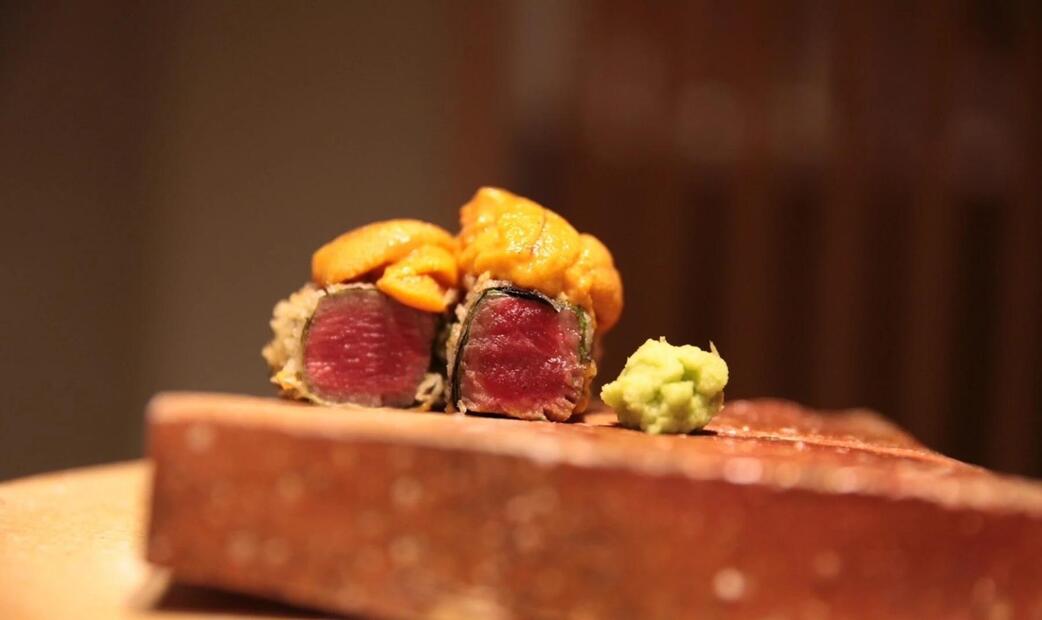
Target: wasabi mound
<point>668,389</point>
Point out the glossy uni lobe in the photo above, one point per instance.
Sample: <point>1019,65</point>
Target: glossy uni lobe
<point>411,261</point>
<point>514,239</point>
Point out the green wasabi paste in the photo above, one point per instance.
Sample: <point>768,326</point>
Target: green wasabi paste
<point>668,389</point>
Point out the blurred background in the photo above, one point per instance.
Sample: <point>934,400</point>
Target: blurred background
<point>845,197</point>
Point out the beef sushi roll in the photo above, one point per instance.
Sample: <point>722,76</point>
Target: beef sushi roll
<point>521,353</point>
<point>540,296</point>
<point>363,331</point>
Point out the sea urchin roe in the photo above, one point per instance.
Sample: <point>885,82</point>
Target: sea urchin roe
<point>418,262</point>
<point>514,239</point>
<point>422,278</point>
<point>668,389</point>
<point>593,282</point>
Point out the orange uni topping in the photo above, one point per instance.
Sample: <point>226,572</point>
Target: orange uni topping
<point>513,238</point>
<point>418,261</point>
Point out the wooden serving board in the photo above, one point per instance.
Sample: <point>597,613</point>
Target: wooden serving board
<point>72,546</point>
<point>773,512</point>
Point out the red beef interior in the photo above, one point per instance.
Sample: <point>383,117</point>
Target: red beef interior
<point>521,358</point>
<point>365,348</point>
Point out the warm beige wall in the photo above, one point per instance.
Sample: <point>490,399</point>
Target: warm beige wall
<point>166,172</point>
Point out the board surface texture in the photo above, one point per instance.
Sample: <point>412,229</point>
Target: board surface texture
<point>773,512</point>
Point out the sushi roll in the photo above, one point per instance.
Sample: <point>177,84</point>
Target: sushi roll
<point>364,330</point>
<point>540,295</point>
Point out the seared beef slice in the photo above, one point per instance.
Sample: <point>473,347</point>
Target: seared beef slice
<point>522,356</point>
<point>365,348</point>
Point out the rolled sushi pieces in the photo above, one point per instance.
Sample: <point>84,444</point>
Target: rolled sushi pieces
<point>364,331</point>
<point>540,296</point>
<point>519,353</point>
<point>379,326</point>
